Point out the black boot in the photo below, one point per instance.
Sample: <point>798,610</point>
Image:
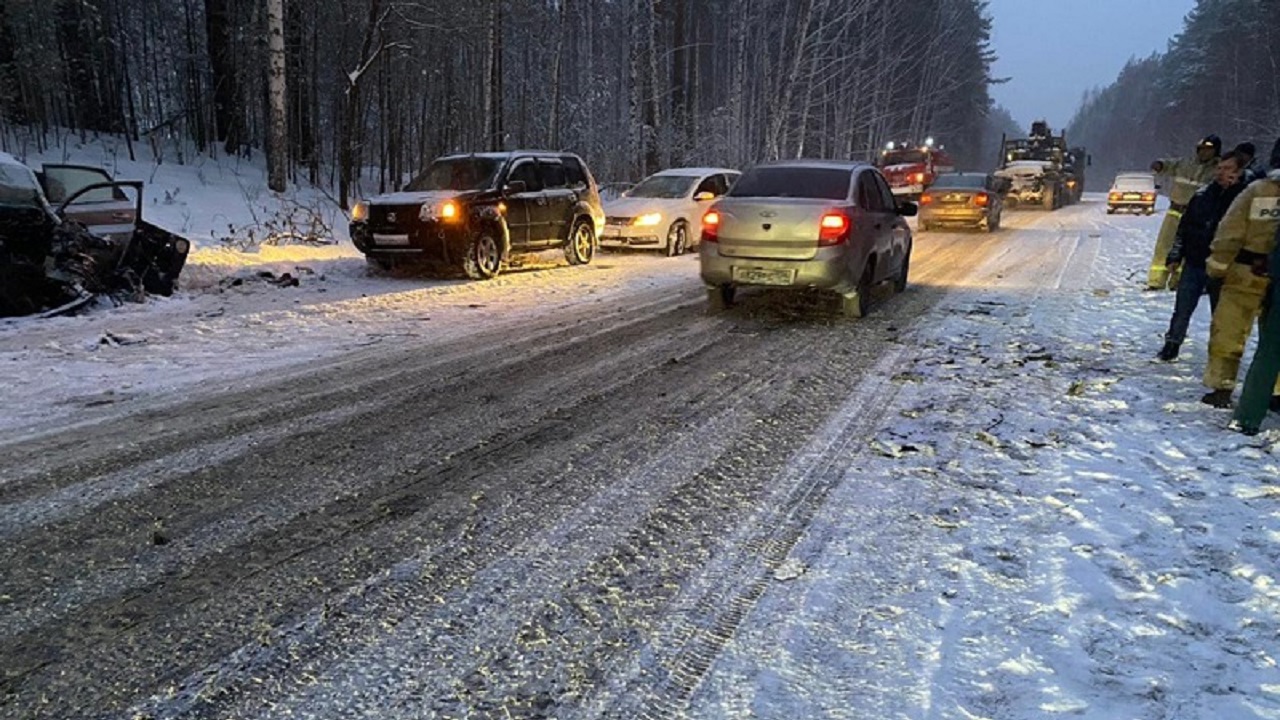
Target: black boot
<point>1274,405</point>
<point>1169,352</point>
<point>1217,398</point>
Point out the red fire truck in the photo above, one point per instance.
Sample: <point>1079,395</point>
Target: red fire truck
<point>910,168</point>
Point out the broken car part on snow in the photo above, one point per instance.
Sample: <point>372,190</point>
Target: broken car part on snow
<point>95,242</point>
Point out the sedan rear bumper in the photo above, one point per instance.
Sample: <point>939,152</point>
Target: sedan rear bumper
<point>957,216</point>
<point>827,270</point>
<point>1131,205</point>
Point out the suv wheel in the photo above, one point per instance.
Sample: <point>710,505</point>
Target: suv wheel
<point>582,244</point>
<point>484,256</point>
<point>678,239</point>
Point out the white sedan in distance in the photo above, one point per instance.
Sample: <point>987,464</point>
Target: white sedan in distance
<point>665,210</point>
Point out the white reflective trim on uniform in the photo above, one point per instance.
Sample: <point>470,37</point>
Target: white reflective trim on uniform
<point>1175,213</point>
<point>1265,208</point>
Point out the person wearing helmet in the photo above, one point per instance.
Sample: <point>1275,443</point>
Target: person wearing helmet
<point>1189,175</point>
<point>1239,256</point>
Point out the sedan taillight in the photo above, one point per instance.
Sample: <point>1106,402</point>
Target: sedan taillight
<point>834,229</point>
<point>711,227</point>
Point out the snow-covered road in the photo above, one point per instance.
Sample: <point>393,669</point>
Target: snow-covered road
<point>569,493</point>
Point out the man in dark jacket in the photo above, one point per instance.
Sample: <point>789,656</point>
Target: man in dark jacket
<point>1254,168</point>
<point>1191,248</point>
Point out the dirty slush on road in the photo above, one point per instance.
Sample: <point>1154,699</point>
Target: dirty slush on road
<point>566,521</point>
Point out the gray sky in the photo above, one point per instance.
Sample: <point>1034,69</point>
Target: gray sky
<point>1054,50</point>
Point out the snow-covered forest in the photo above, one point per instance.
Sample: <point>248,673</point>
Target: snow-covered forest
<point>1220,75</point>
<point>632,85</point>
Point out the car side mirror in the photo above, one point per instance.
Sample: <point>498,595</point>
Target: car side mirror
<point>515,187</point>
<point>704,196</point>
<point>906,208</point>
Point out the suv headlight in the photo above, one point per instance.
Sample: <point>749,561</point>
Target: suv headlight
<point>360,212</point>
<point>648,220</point>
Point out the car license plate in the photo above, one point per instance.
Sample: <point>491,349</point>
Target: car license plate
<point>612,230</point>
<point>390,239</point>
<point>763,276</point>
<point>1132,196</point>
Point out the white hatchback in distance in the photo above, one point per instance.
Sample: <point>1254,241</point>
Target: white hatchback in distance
<point>665,210</point>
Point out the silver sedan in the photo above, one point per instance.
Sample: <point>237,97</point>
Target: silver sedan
<point>820,224</point>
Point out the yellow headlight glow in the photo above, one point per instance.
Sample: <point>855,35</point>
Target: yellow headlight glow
<point>649,220</point>
<point>360,212</point>
<point>449,211</point>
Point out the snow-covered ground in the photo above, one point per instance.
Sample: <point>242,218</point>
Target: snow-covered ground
<point>205,199</point>
<point>1062,528</point>
<point>1048,523</point>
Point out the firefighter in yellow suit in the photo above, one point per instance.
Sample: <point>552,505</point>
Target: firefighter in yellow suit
<point>1239,257</point>
<point>1189,175</point>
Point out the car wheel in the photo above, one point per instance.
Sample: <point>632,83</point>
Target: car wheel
<point>858,304</point>
<point>678,239</point>
<point>380,265</point>
<point>1111,211</point>
<point>484,256</point>
<point>900,282</point>
<point>720,298</point>
<point>582,244</point>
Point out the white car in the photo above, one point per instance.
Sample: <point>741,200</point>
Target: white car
<point>665,210</point>
<point>1132,192</point>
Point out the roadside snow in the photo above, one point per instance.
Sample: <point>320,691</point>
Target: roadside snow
<point>1060,528</point>
<point>240,327</point>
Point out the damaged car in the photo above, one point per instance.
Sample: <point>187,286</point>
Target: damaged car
<point>71,232</point>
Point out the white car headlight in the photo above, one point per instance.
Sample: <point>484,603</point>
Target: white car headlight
<point>649,219</point>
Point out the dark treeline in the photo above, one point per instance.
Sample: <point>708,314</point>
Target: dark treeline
<point>632,85</point>
<point>1221,75</point>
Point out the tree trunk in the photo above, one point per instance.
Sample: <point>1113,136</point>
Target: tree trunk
<point>278,151</point>
<point>226,114</point>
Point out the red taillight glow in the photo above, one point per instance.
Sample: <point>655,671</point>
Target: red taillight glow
<point>710,226</point>
<point>982,199</point>
<point>834,229</point>
<point>918,177</point>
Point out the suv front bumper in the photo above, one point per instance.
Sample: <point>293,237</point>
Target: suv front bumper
<point>428,242</point>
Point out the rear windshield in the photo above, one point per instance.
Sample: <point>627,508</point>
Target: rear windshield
<point>469,173</point>
<point>961,181</point>
<point>1135,183</point>
<point>801,182</point>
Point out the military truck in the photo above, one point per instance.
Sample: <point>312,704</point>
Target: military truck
<point>1043,172</point>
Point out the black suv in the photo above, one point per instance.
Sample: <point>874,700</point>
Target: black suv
<point>473,211</point>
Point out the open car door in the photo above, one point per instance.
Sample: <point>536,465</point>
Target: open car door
<point>147,256</point>
<point>88,196</point>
